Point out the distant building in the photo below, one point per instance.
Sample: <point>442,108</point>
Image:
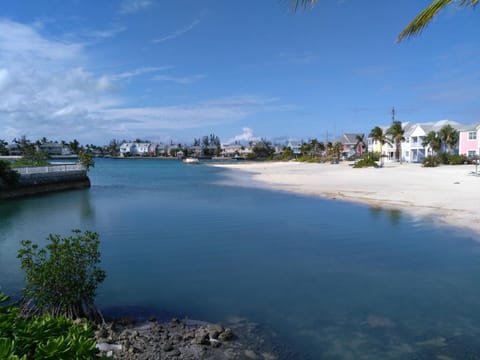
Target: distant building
<point>295,146</point>
<point>351,145</point>
<point>412,148</point>
<point>138,149</point>
<point>54,149</point>
<point>469,140</point>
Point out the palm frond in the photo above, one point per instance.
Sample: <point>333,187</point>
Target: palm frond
<point>302,3</point>
<point>418,24</point>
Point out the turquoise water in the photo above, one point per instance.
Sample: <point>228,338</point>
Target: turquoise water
<point>327,279</point>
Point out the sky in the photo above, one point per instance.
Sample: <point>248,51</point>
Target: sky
<point>167,70</point>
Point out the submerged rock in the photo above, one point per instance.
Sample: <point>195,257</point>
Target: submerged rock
<point>176,339</point>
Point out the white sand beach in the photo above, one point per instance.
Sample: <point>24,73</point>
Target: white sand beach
<point>449,194</point>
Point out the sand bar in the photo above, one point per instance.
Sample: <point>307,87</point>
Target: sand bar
<point>449,194</point>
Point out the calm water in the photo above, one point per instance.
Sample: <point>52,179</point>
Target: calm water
<point>331,280</point>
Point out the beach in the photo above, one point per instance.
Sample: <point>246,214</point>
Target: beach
<point>448,194</point>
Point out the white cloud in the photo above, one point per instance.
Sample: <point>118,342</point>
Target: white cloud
<point>139,71</point>
<point>133,6</point>
<point>48,90</point>
<point>179,80</point>
<point>245,136</point>
<point>178,32</point>
<point>21,42</point>
<point>107,33</point>
<point>45,88</point>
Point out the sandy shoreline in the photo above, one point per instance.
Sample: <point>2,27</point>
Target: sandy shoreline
<point>450,194</point>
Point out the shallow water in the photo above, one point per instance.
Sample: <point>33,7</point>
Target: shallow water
<point>327,279</point>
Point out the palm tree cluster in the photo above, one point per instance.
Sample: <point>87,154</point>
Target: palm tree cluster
<point>446,136</point>
<point>393,135</point>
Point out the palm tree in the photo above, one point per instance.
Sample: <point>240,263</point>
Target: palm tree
<point>449,136</point>
<point>360,138</point>
<point>337,149</point>
<point>379,136</point>
<point>433,141</point>
<point>329,148</point>
<point>396,133</point>
<point>321,148</point>
<point>314,144</point>
<point>419,23</point>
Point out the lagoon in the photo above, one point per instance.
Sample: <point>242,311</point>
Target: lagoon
<point>324,278</point>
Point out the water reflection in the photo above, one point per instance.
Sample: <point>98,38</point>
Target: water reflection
<point>394,215</point>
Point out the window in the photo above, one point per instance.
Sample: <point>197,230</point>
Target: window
<point>472,135</point>
<point>471,153</point>
<point>406,153</point>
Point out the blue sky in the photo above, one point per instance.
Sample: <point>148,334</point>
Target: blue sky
<point>161,70</point>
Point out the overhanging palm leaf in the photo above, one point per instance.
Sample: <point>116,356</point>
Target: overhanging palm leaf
<point>417,25</point>
<point>302,3</point>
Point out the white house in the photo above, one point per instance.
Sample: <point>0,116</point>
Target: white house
<point>295,146</point>
<point>412,148</point>
<point>137,149</point>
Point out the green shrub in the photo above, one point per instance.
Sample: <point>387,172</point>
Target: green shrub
<point>25,162</point>
<point>443,158</point>
<point>308,158</point>
<point>455,159</point>
<point>42,337</point>
<point>62,278</point>
<point>369,160</point>
<point>7,175</point>
<point>432,161</point>
<point>86,159</point>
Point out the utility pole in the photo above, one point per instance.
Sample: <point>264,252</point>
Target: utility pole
<point>393,114</point>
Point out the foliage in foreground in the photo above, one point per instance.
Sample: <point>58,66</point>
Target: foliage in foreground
<point>446,159</point>
<point>369,160</point>
<point>86,159</point>
<point>62,278</point>
<point>42,337</point>
<point>7,175</point>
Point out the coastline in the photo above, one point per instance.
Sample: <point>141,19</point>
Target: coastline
<point>449,193</point>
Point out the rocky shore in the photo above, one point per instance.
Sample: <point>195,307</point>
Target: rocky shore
<point>182,340</point>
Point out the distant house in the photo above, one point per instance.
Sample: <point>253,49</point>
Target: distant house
<point>138,149</point>
<point>55,149</point>
<point>351,146</point>
<point>295,146</point>
<point>412,148</point>
<point>469,140</point>
<point>386,150</point>
<point>14,149</point>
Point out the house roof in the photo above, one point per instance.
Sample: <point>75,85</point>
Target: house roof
<point>471,127</point>
<point>349,138</point>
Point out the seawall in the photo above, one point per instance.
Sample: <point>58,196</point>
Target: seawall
<point>47,179</point>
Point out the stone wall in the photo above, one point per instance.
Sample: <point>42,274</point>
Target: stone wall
<point>33,184</point>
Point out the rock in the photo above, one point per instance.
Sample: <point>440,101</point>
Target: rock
<point>250,354</point>
<point>215,343</point>
<point>168,347</point>
<point>202,337</point>
<point>108,347</point>
<point>214,330</point>
<point>226,335</point>
<point>268,356</point>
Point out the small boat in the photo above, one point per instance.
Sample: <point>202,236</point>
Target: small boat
<point>191,161</point>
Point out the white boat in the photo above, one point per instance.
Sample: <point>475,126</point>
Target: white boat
<point>191,161</point>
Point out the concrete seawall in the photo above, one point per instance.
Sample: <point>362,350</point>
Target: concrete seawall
<point>42,180</point>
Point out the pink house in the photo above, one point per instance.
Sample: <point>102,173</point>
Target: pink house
<point>469,143</point>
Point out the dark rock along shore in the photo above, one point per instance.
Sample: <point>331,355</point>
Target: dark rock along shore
<point>182,340</point>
